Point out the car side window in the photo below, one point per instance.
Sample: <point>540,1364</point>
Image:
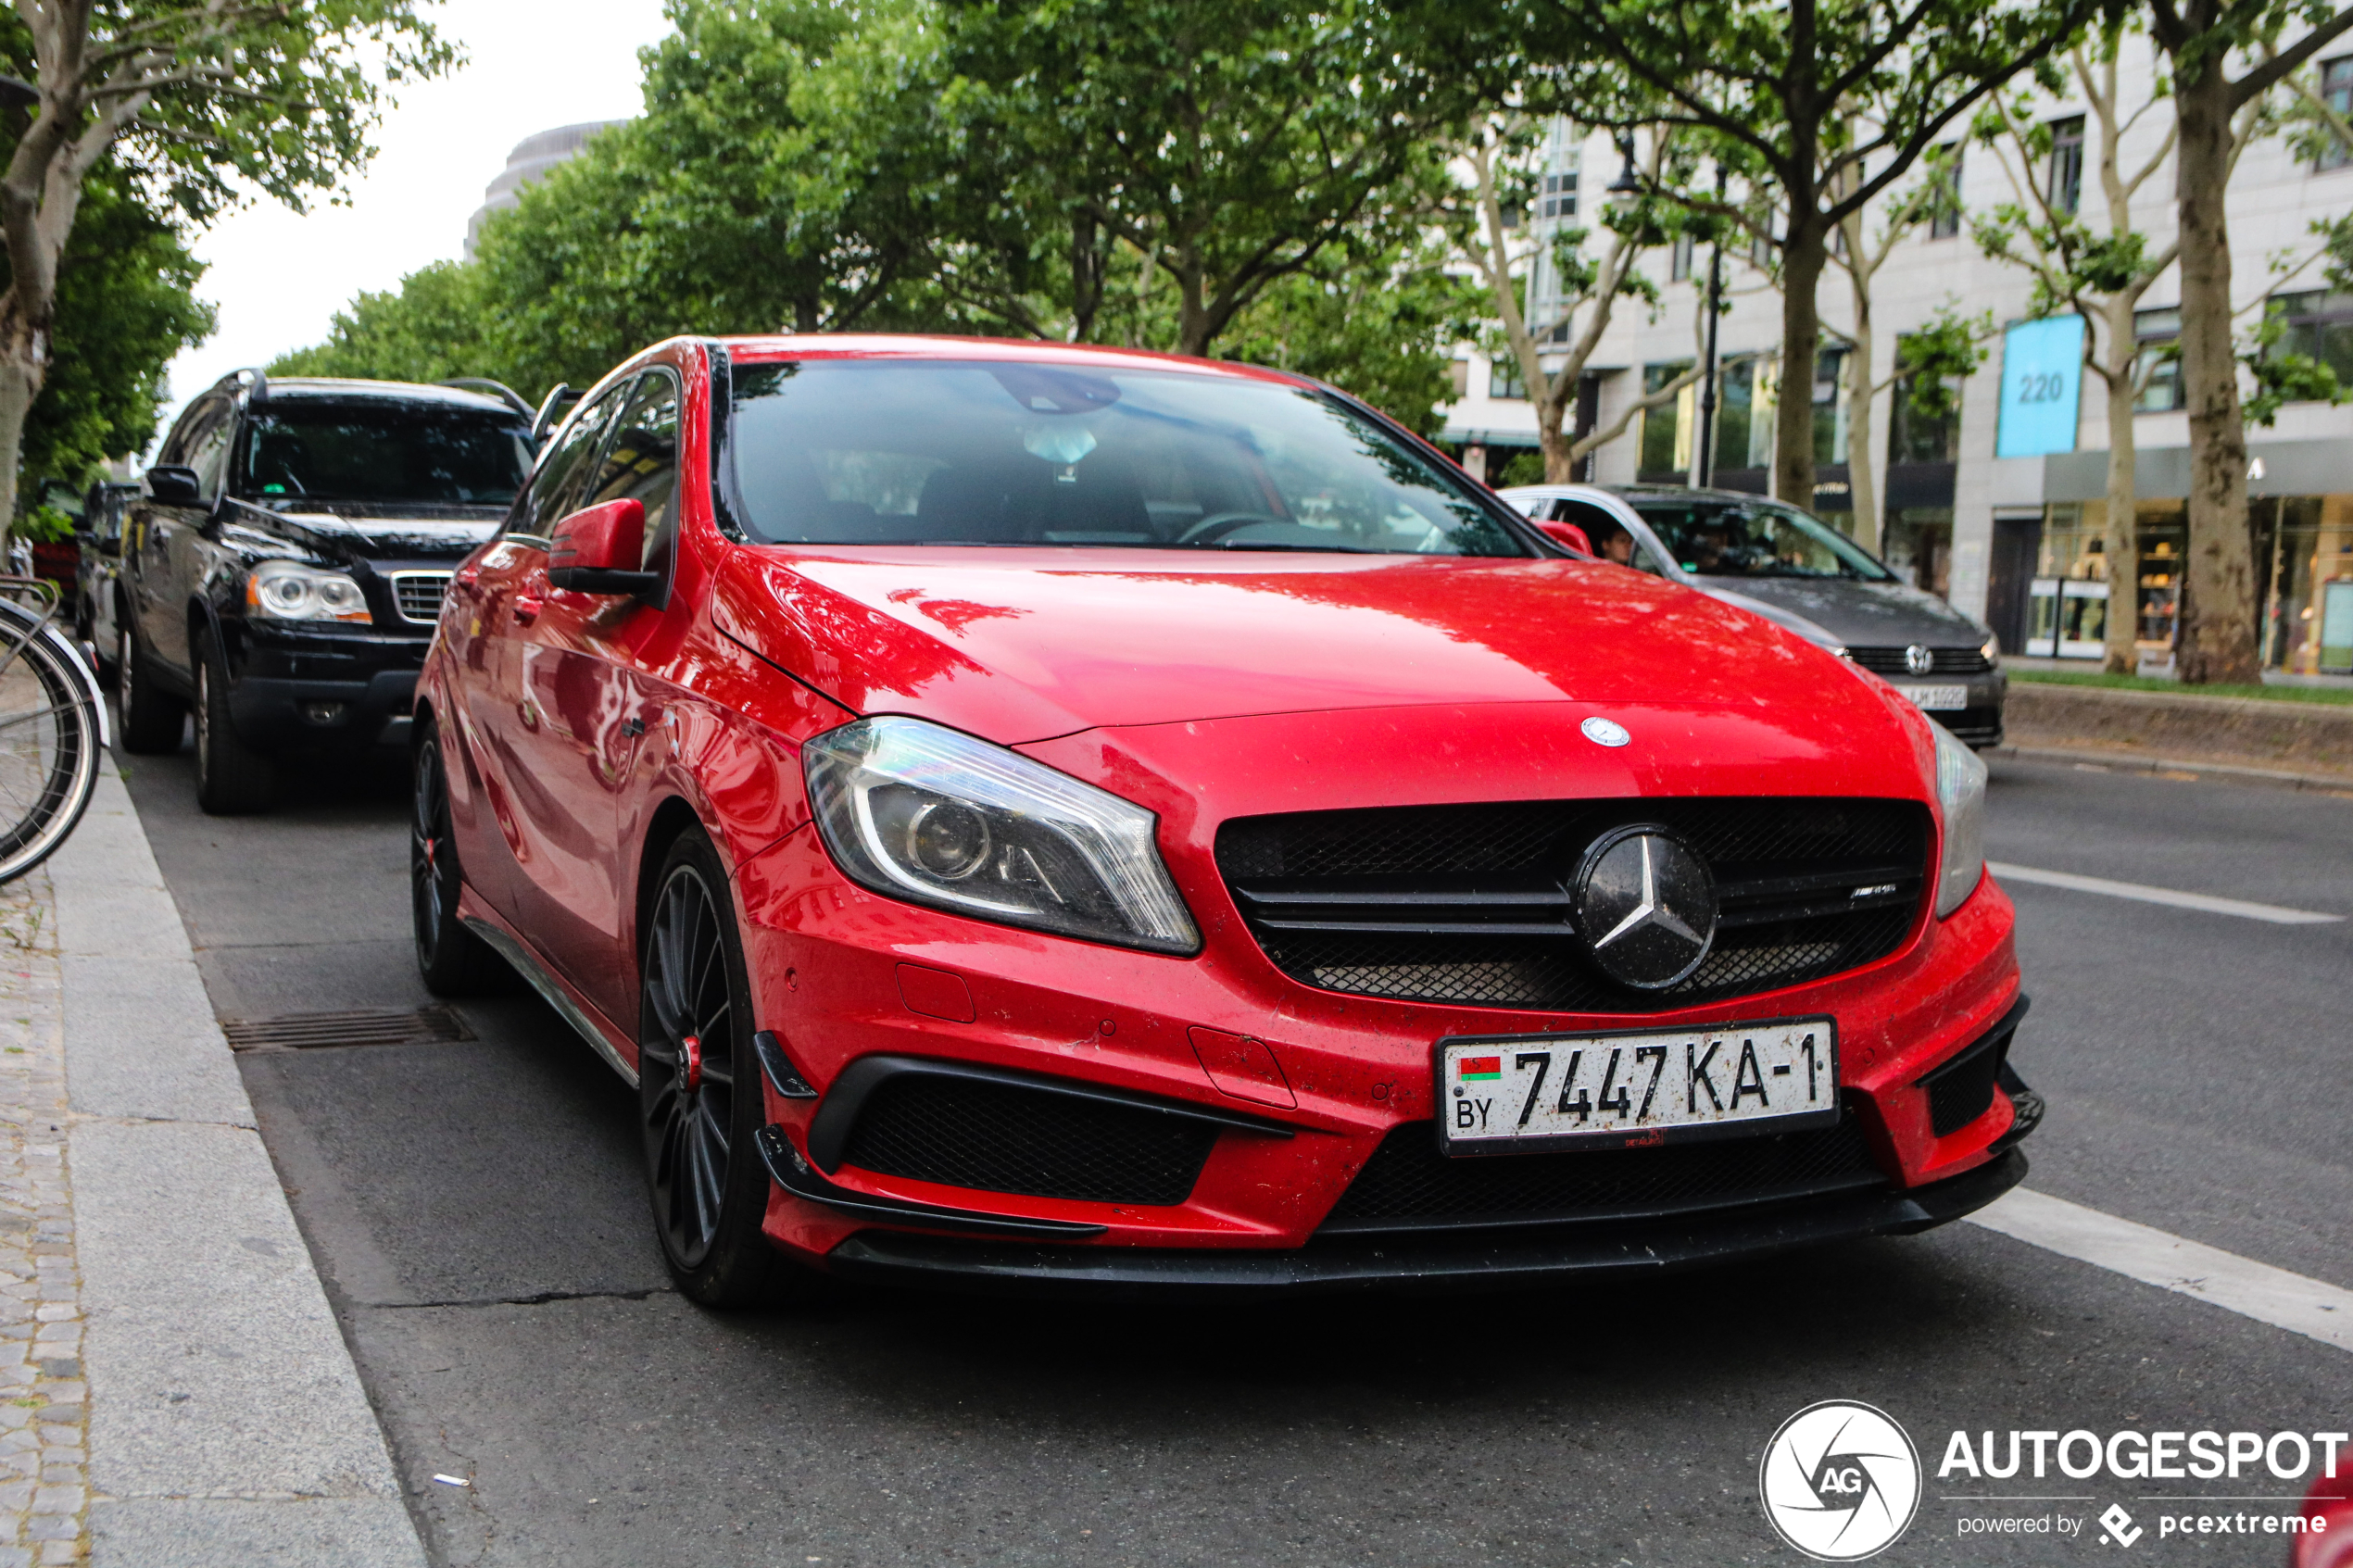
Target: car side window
<point>642,461</point>
<point>1613,541</point>
<point>564,475</point>
<point>206,447</point>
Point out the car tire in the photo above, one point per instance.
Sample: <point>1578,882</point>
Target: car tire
<point>451,959</point>
<point>153,719</point>
<point>232,777</point>
<point>698,1109</point>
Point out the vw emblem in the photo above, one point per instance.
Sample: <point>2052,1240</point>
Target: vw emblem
<point>1646,905</point>
<point>1918,659</point>
<point>1604,732</point>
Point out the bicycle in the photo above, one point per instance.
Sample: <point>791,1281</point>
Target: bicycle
<point>53,727</point>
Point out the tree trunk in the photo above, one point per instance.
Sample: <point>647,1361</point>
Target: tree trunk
<point>2120,547</point>
<point>1802,261</point>
<point>2218,612</point>
<point>1862,485</point>
<point>24,367</point>
<point>1560,462</point>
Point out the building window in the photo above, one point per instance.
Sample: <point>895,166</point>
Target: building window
<point>2319,323</point>
<point>1458,375</point>
<point>2337,91</point>
<point>1830,406</point>
<point>2067,165</point>
<point>2157,369</point>
<point>1945,203</point>
<point>1915,436</point>
<point>1504,383</point>
<point>1665,441</point>
<point>1557,198</point>
<point>1678,264</point>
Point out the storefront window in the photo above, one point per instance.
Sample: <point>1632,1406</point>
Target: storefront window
<point>1667,446</point>
<point>2309,627</point>
<point>1918,547</point>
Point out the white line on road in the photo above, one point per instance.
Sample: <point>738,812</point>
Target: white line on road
<point>2147,895</point>
<point>2188,1268</point>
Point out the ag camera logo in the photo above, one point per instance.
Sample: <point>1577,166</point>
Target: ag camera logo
<point>1840,1481</point>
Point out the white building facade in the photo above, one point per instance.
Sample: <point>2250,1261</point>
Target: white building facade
<point>2014,540</point>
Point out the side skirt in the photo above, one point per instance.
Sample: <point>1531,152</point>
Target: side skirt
<point>552,992</point>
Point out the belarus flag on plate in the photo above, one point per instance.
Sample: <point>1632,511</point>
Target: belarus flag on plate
<point>1479,1067</point>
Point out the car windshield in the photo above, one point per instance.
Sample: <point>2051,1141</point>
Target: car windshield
<point>1755,539</point>
<point>389,453</point>
<point>861,452</point>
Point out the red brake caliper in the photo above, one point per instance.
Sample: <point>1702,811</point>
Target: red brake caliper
<point>690,1051</point>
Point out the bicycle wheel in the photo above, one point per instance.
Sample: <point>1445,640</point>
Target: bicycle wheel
<point>49,749</point>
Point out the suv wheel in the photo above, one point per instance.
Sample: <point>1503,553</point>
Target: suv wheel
<point>152,720</point>
<point>230,776</point>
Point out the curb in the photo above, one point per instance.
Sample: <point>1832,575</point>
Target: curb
<point>2211,772</point>
<point>227,1425</point>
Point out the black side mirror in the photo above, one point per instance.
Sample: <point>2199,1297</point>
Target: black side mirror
<point>175,486</point>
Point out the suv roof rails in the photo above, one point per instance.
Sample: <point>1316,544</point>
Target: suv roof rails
<point>560,397</point>
<point>249,381</point>
<point>499,390</point>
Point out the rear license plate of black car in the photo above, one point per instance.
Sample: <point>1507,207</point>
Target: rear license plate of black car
<point>1526,1094</point>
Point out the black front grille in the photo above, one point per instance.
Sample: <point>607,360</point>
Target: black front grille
<point>1470,904</point>
<point>999,1137</point>
<point>1944,661</point>
<point>1962,1089</point>
<point>1408,1185</point>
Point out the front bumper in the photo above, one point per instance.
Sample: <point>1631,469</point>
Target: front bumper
<point>1980,724</point>
<point>292,689</point>
<point>1489,1262</point>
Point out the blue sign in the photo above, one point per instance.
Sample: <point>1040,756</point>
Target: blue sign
<point>2042,377</point>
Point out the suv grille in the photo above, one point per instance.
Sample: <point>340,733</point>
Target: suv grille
<point>1948,661</point>
<point>1407,1184</point>
<point>419,594</point>
<point>1469,904</point>
<point>1000,1138</point>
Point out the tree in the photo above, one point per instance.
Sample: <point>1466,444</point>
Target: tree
<point>2199,37</point>
<point>430,330</point>
<point>198,93</point>
<point>1229,142</point>
<point>2099,272</point>
<point>1946,349</point>
<point>126,304</point>
<point>1823,108</point>
<point>1507,254</point>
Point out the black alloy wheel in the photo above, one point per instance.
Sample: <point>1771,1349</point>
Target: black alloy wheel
<point>452,960</point>
<point>232,777</point>
<point>699,1094</point>
<point>153,720</point>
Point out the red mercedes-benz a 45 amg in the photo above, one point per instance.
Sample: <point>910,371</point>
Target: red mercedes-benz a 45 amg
<point>1026,815</point>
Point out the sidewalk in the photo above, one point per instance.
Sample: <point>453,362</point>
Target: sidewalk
<point>176,1390</point>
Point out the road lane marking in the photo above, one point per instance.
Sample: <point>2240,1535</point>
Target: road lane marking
<point>2149,895</point>
<point>2187,1267</point>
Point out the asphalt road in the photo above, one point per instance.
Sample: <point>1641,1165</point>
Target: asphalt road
<point>477,1210</point>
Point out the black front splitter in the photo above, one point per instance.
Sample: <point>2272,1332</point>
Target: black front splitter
<point>1493,1261</point>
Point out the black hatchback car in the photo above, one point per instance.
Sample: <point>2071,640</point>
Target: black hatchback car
<point>285,566</point>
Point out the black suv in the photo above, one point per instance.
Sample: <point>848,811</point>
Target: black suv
<point>285,566</point>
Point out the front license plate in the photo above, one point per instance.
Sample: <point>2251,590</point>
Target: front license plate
<point>1525,1095</point>
<point>1938,698</point>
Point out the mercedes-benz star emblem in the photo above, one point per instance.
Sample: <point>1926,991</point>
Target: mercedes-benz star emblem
<point>1918,659</point>
<point>1604,732</point>
<point>1647,906</point>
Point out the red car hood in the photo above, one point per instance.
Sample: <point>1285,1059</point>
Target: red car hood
<point>1023,644</point>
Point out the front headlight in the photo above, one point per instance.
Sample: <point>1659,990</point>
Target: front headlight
<point>1992,648</point>
<point>287,590</point>
<point>917,811</point>
<point>1960,792</point>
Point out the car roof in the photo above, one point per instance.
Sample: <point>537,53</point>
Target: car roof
<point>1642,493</point>
<point>919,346</point>
<point>336,389</point>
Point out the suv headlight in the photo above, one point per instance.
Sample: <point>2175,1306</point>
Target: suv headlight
<point>917,811</point>
<point>1960,793</point>
<point>1991,648</point>
<point>287,590</point>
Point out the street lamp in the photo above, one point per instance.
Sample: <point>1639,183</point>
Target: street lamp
<point>1704,469</point>
<point>1627,182</point>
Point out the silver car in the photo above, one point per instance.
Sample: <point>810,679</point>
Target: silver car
<point>1800,573</point>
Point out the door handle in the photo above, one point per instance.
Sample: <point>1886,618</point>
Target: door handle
<point>633,726</point>
<point>527,608</point>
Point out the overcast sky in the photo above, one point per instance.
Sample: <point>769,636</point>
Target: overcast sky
<point>530,64</point>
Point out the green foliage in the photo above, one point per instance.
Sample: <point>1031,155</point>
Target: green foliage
<point>1377,326</point>
<point>2283,377</point>
<point>1934,358</point>
<point>1525,465</point>
<point>430,330</point>
<point>45,525</point>
<point>125,306</point>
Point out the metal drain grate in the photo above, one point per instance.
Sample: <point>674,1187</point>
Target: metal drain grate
<point>370,1026</point>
